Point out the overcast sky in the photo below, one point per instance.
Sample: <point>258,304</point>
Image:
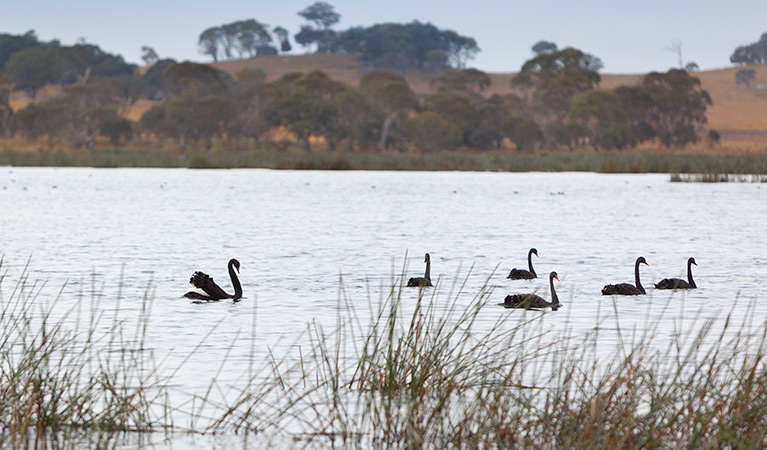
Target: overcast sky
<point>629,36</point>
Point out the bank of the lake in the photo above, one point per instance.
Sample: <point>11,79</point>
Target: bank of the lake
<point>600,162</point>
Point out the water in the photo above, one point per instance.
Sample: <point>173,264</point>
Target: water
<point>297,233</point>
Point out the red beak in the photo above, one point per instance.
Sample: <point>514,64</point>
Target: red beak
<point>555,276</point>
<point>238,270</point>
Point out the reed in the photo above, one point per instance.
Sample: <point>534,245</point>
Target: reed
<point>604,162</point>
<point>717,178</point>
<point>424,376</point>
<point>59,384</point>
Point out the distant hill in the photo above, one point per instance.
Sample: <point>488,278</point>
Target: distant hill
<point>739,114</point>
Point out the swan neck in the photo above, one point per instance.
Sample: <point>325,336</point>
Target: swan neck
<point>689,274</point>
<point>427,275</point>
<point>530,262</point>
<point>554,298</point>
<point>235,282</point>
<point>636,278</point>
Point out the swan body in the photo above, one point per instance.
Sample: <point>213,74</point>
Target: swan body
<point>532,301</point>
<point>203,281</point>
<point>425,280</point>
<point>676,283</point>
<point>522,274</point>
<point>625,288</point>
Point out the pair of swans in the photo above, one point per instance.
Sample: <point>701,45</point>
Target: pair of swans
<point>638,289</point>
<point>213,292</point>
<point>531,301</point>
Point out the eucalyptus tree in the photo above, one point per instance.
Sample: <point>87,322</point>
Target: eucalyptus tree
<point>678,106</point>
<point>390,95</point>
<point>5,105</point>
<point>744,77</point>
<point>252,98</point>
<point>322,16</point>
<point>197,79</point>
<point>404,46</point>
<point>251,36</point>
<point>10,44</point>
<point>300,104</point>
<point>555,77</point>
<point>282,36</point>
<point>149,55</point>
<point>456,109</point>
<point>754,53</point>
<point>542,47</point>
<point>210,42</point>
<point>471,82</point>
<point>428,132</point>
<point>602,118</point>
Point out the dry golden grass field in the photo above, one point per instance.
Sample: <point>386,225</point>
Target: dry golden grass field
<point>738,114</point>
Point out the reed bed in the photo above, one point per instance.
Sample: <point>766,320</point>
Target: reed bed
<point>424,376</point>
<point>61,385</point>
<point>717,178</point>
<point>604,162</point>
<point>397,372</point>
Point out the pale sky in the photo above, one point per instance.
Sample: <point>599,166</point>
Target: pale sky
<point>629,36</point>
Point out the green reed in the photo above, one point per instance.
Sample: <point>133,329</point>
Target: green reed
<point>603,162</point>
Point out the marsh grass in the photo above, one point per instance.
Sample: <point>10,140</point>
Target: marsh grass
<point>418,368</point>
<point>424,375</point>
<point>604,162</point>
<point>717,178</point>
<point>59,385</point>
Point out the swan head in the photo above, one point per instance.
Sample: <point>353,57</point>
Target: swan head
<point>426,258</point>
<point>534,251</point>
<point>553,275</point>
<point>235,263</point>
<point>692,261</point>
<point>641,260</point>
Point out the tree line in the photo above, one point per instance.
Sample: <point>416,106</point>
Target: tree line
<point>557,104</point>
<point>390,45</point>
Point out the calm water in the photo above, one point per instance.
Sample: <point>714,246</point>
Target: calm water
<point>296,233</point>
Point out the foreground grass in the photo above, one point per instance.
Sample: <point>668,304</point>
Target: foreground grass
<point>60,386</point>
<point>605,162</point>
<point>406,374</point>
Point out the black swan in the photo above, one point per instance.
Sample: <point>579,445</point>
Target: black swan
<point>202,281</point>
<point>625,288</point>
<point>426,279</point>
<point>522,274</point>
<point>532,301</point>
<point>676,283</point>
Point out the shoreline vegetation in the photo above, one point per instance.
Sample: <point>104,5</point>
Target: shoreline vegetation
<point>705,167</point>
<point>412,374</point>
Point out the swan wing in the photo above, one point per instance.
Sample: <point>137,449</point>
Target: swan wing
<point>203,281</point>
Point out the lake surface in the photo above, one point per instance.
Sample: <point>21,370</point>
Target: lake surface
<point>297,233</point>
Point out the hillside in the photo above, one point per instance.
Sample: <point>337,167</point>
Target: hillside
<point>740,115</point>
